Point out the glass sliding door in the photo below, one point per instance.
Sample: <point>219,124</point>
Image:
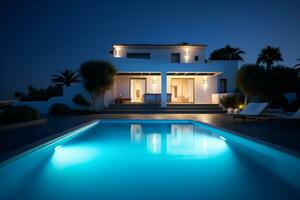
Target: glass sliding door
<point>182,90</point>
<point>137,89</point>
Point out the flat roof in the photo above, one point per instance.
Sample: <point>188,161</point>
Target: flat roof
<point>168,73</point>
<point>161,45</point>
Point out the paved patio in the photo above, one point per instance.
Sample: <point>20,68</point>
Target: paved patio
<point>18,139</point>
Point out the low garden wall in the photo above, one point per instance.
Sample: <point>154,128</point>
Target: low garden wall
<point>215,98</point>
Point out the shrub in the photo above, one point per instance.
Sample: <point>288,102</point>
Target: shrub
<point>279,102</point>
<point>232,101</point>
<point>40,94</point>
<point>83,111</point>
<point>19,114</point>
<point>293,106</point>
<point>81,101</point>
<point>60,109</point>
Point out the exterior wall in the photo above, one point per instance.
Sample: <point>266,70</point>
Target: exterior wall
<point>163,54</point>
<point>202,92</point>
<point>229,69</point>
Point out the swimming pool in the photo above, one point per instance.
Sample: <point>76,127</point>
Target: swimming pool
<point>151,159</point>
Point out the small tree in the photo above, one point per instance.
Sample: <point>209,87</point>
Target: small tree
<point>98,76</point>
<point>251,79</point>
<point>66,77</point>
<point>283,79</point>
<point>268,56</point>
<point>255,80</point>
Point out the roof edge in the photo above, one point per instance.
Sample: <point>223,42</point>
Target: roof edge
<point>159,45</point>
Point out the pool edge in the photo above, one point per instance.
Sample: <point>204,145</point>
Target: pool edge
<point>35,146</point>
<point>40,144</point>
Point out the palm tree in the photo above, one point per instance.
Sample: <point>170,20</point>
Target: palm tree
<point>268,56</point>
<point>227,53</point>
<point>297,67</point>
<point>66,77</point>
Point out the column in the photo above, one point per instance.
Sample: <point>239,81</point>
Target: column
<point>163,96</point>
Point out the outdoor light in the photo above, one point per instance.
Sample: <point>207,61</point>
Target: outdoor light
<point>205,82</point>
<point>186,55</point>
<point>222,138</point>
<point>117,51</point>
<point>154,82</point>
<point>57,148</point>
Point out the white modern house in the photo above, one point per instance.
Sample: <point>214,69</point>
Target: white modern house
<point>159,74</point>
<point>169,74</point>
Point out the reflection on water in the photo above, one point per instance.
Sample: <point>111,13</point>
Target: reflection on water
<point>136,133</point>
<point>153,142</point>
<point>179,140</point>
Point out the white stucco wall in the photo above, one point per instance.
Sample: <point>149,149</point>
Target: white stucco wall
<point>229,69</point>
<point>163,54</point>
<point>69,92</point>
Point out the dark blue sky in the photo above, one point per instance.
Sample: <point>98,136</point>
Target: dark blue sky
<point>40,37</point>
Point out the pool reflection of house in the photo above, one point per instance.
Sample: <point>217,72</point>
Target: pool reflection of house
<point>178,140</point>
<point>169,73</point>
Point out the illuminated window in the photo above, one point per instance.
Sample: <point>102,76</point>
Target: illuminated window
<point>139,55</point>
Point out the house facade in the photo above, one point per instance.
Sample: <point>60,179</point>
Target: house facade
<point>168,74</point>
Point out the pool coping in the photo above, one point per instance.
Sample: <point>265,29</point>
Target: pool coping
<point>263,142</point>
<point>37,145</point>
<point>21,124</point>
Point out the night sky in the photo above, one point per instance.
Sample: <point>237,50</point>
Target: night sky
<point>40,37</point>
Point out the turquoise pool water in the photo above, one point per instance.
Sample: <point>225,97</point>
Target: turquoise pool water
<point>151,159</point>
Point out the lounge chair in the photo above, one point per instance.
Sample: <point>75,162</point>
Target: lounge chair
<point>283,118</point>
<point>251,111</point>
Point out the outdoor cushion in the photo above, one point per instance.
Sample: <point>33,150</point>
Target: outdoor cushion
<point>296,115</point>
<point>249,109</point>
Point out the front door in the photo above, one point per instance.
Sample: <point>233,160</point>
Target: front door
<point>137,90</point>
<point>182,90</point>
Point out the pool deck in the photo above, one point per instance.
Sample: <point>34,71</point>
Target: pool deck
<point>18,140</point>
